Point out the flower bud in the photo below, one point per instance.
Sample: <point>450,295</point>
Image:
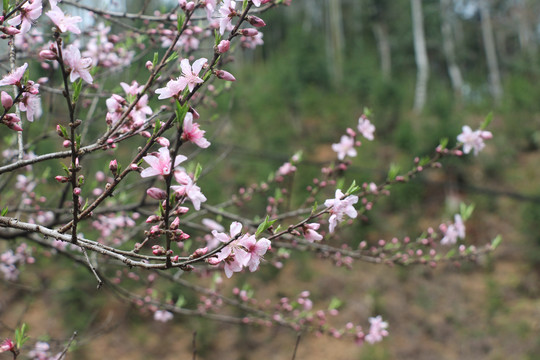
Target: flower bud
<point>213,261</point>
<point>149,65</point>
<point>163,141</point>
<point>224,46</point>
<point>77,191</point>
<point>62,179</point>
<point>256,21</point>
<point>248,32</point>
<point>152,219</point>
<point>113,166</point>
<point>156,193</point>
<point>175,223</point>
<point>47,55</point>
<point>225,75</point>
<point>7,101</point>
<point>190,6</point>
<point>10,30</point>
<point>66,143</point>
<point>199,252</point>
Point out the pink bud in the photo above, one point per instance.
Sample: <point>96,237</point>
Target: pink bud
<point>224,46</point>
<point>190,6</point>
<point>62,179</point>
<point>7,101</point>
<point>200,252</point>
<point>249,32</point>
<point>225,75</point>
<point>113,166</point>
<point>163,141</point>
<point>213,261</point>
<point>47,55</point>
<point>149,65</point>
<point>152,219</point>
<point>256,21</point>
<point>156,193</point>
<point>175,223</point>
<point>77,191</point>
<point>10,30</point>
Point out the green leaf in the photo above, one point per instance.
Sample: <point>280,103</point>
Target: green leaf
<point>180,302</point>
<point>157,126</point>
<point>264,225</point>
<point>393,172</point>
<point>444,143</point>
<point>424,160</point>
<point>173,57</point>
<point>244,5</point>
<point>496,242</point>
<point>20,335</point>
<point>314,207</point>
<point>198,171</point>
<point>487,121</point>
<point>180,19</point>
<point>77,87</point>
<point>64,132</point>
<point>367,112</point>
<point>217,37</point>
<point>335,304</point>
<point>450,253</point>
<point>5,5</point>
<point>4,211</point>
<point>466,211</point>
<point>155,60</point>
<point>78,138</point>
<point>353,188</point>
<point>181,111</point>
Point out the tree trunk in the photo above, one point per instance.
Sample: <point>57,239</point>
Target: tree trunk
<point>449,47</point>
<point>491,54</point>
<point>383,45</point>
<point>421,57</point>
<point>335,42</point>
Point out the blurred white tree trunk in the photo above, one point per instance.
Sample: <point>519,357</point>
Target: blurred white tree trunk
<point>335,43</point>
<point>421,57</point>
<point>449,47</point>
<point>383,44</point>
<point>491,53</point>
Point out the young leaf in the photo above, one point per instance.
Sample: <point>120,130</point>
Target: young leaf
<point>367,112</point>
<point>466,211</point>
<point>353,188</point>
<point>496,242</point>
<point>181,18</point>
<point>217,36</point>
<point>487,121</point>
<point>335,304</point>
<point>264,225</point>
<point>155,60</point>
<point>77,86</point>
<point>393,172</point>
<point>198,171</point>
<point>181,111</point>
<point>4,211</point>
<point>444,143</point>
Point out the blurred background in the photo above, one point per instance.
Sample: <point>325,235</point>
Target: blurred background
<point>425,69</point>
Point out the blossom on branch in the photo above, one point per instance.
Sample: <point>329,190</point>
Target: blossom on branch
<point>78,66</point>
<point>15,77</point>
<point>341,207</point>
<point>160,163</point>
<point>227,12</point>
<point>473,140</point>
<point>192,132</point>
<point>345,147</point>
<point>453,231</point>
<point>366,128</point>
<point>191,72</point>
<point>377,330</point>
<point>64,22</point>
<point>28,14</point>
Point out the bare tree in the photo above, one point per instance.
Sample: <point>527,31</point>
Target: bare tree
<point>421,57</point>
<point>491,53</point>
<point>449,47</point>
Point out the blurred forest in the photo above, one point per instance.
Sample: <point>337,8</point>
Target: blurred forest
<point>425,68</point>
